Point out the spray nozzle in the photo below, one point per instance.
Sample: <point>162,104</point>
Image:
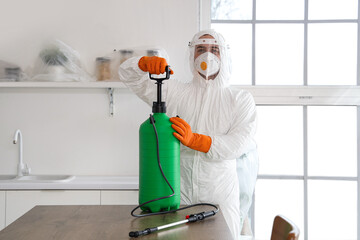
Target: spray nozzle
<point>159,106</point>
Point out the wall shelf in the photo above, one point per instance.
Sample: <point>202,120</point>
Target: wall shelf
<point>108,85</point>
<point>263,95</point>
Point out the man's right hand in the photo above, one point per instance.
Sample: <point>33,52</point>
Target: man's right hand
<point>153,65</point>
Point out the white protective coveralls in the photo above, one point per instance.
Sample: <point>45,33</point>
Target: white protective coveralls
<point>211,108</point>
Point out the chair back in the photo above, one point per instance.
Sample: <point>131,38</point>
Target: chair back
<point>284,229</point>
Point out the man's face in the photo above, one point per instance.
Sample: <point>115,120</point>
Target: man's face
<point>202,48</point>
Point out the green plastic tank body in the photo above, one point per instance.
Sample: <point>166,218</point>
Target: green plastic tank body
<point>152,185</point>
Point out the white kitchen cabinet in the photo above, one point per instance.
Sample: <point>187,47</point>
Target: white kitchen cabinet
<point>19,202</point>
<point>119,197</point>
<point>2,209</point>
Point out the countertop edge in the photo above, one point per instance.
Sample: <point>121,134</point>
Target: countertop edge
<point>79,183</point>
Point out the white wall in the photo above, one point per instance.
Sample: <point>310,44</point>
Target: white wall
<point>69,130</point>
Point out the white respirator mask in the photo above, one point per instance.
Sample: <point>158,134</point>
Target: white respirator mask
<point>207,64</point>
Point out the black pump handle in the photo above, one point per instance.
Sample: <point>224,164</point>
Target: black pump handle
<point>167,71</point>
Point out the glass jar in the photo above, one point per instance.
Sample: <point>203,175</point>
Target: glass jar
<point>103,70</point>
<point>153,52</point>
<point>125,54</point>
<point>12,73</point>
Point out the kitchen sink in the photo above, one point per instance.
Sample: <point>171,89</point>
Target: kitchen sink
<point>37,178</point>
<point>7,177</point>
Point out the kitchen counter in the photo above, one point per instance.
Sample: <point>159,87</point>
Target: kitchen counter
<point>110,222</point>
<point>78,183</point>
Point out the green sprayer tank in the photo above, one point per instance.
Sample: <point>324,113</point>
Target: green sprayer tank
<point>152,184</point>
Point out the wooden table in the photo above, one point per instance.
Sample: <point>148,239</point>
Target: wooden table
<point>110,222</point>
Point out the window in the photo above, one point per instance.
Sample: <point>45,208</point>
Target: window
<point>300,60</point>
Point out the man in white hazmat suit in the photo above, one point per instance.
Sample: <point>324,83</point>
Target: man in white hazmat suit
<point>216,127</point>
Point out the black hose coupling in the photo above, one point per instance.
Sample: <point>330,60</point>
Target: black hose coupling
<point>143,232</point>
<point>200,216</point>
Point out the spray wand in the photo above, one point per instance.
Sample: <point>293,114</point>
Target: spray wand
<point>189,218</point>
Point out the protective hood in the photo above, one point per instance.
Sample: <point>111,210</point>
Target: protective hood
<point>223,78</point>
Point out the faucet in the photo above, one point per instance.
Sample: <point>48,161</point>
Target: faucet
<point>22,169</point>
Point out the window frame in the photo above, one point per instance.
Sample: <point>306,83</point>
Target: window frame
<point>299,95</point>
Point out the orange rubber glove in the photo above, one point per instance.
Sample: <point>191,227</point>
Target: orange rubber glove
<point>192,140</point>
<point>153,65</point>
